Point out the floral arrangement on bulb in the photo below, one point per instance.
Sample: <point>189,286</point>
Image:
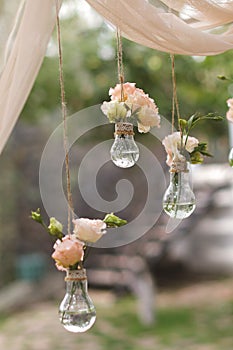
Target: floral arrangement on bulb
<point>69,250</point>
<point>181,149</point>
<point>76,312</point>
<point>129,105</point>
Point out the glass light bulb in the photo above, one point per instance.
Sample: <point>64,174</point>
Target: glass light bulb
<point>124,151</point>
<point>77,312</point>
<point>179,199</point>
<point>230,157</point>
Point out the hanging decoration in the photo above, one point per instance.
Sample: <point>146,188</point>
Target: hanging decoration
<point>179,199</point>
<point>182,150</point>
<point>76,312</point>
<point>129,106</point>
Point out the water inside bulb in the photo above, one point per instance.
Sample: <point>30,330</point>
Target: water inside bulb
<point>230,157</point>
<point>179,199</point>
<point>124,151</point>
<point>77,312</point>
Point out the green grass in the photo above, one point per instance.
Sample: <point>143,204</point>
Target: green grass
<point>188,327</point>
<point>3,318</point>
<point>208,327</point>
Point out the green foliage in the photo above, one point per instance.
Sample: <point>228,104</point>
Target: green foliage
<point>195,119</point>
<point>54,228</point>
<point>185,126</point>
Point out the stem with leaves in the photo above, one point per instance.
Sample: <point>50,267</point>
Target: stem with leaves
<point>186,126</point>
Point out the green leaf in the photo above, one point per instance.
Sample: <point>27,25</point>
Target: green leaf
<point>207,154</point>
<point>210,116</point>
<point>202,148</point>
<point>191,120</point>
<point>196,158</point>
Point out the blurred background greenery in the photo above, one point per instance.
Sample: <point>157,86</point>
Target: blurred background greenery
<point>90,69</point>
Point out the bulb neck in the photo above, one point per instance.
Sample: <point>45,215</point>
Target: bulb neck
<point>76,275</point>
<point>122,129</point>
<point>76,282</point>
<point>179,166</point>
<point>180,180</point>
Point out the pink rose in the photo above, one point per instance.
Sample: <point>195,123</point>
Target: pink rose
<point>230,102</point>
<point>172,144</point>
<point>139,99</point>
<point>229,114</point>
<point>191,143</point>
<point>169,159</point>
<point>128,88</point>
<point>67,252</point>
<point>147,118</point>
<point>88,230</point>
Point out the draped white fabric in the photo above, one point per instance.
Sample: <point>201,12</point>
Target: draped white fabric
<point>25,52</point>
<point>176,26</point>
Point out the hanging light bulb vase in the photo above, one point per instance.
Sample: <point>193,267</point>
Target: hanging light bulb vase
<point>77,312</point>
<point>230,157</point>
<point>124,151</point>
<point>179,199</point>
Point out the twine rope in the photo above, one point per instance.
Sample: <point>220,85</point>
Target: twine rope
<point>124,129</point>
<point>120,65</point>
<point>76,275</point>
<point>175,103</point>
<point>179,166</point>
<point>64,117</point>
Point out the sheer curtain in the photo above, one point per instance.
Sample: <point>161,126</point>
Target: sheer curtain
<point>176,26</point>
<point>189,27</point>
<point>24,53</point>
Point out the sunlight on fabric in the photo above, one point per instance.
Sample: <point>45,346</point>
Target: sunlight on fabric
<point>8,11</point>
<point>172,25</point>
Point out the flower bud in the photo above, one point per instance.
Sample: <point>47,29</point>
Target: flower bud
<point>35,215</point>
<point>114,221</point>
<point>55,228</point>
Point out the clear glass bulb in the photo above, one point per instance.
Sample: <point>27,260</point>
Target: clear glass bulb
<point>124,151</point>
<point>77,312</point>
<point>179,199</point>
<point>230,157</point>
